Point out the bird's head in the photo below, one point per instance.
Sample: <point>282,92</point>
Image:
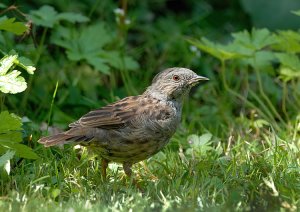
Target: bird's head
<point>174,83</point>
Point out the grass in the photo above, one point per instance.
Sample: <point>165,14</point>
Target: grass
<point>252,169</point>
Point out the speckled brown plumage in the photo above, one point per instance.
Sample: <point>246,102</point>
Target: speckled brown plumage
<point>136,127</point>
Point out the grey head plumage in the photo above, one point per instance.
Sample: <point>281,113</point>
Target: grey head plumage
<point>173,83</point>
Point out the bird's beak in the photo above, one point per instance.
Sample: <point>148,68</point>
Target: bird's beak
<point>195,80</point>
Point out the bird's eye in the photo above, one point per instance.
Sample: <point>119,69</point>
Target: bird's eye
<point>176,78</point>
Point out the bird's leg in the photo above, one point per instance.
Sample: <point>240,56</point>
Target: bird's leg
<point>104,165</point>
<point>127,169</point>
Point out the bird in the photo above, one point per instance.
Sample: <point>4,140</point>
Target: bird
<point>136,127</point>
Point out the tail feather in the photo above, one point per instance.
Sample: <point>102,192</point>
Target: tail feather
<point>62,139</point>
<point>53,140</point>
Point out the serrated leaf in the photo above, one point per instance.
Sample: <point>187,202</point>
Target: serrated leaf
<point>222,52</point>
<point>260,59</point>
<point>259,123</point>
<point>99,64</point>
<point>114,59</point>
<point>197,141</point>
<point>55,192</point>
<point>205,138</point>
<point>21,150</point>
<point>258,39</point>
<point>288,41</point>
<point>12,82</point>
<point>73,17</point>
<point>296,12</point>
<point>47,16</point>
<point>288,73</point>
<point>9,24</point>
<point>7,156</point>
<point>6,63</point>
<point>11,135</point>
<point>26,64</point>
<point>88,43</point>
<point>289,60</point>
<point>9,122</point>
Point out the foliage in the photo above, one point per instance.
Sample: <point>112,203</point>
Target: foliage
<point>47,16</point>
<point>85,45</point>
<point>9,24</point>
<point>11,136</point>
<point>12,82</point>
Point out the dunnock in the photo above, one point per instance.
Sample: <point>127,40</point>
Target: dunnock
<point>136,127</point>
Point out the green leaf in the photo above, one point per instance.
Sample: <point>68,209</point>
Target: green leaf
<point>221,52</point>
<point>9,122</point>
<point>197,141</point>
<point>200,144</point>
<point>290,66</point>
<point>9,24</point>
<point>88,44</point>
<point>288,73</point>
<point>12,82</point>
<point>21,150</point>
<point>260,123</point>
<point>10,128</point>
<point>258,39</point>
<point>115,59</point>
<point>47,16</point>
<point>55,192</point>
<point>260,59</point>
<point>3,5</point>
<point>73,17</point>
<point>6,157</point>
<point>6,63</point>
<point>296,12</point>
<point>99,64</point>
<point>289,60</point>
<point>26,64</point>
<point>288,41</point>
<point>11,136</point>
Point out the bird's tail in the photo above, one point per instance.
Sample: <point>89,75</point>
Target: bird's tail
<point>64,138</point>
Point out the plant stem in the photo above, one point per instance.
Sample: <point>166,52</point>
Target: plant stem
<point>52,103</point>
<point>2,99</point>
<point>284,99</point>
<point>266,98</point>
<point>247,102</point>
<point>263,105</point>
<point>295,93</point>
<point>38,55</point>
<point>93,8</point>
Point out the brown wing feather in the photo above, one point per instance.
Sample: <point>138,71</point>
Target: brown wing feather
<point>112,116</point>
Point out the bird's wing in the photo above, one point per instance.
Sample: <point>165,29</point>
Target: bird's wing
<point>112,116</point>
